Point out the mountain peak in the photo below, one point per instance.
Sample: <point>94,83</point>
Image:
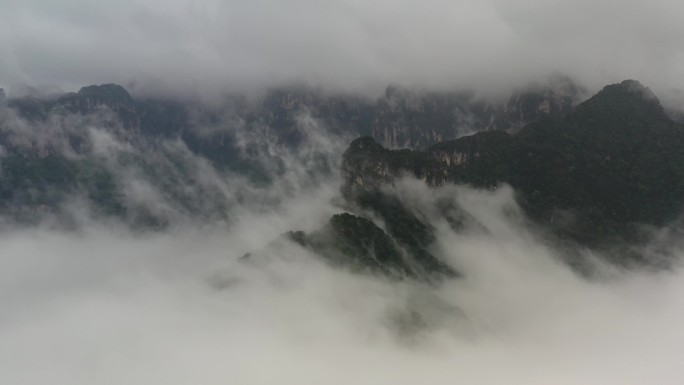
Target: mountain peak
<point>628,101</point>
<point>109,91</point>
<point>364,143</point>
<point>629,87</point>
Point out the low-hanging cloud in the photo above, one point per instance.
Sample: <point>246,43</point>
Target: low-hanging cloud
<point>105,307</point>
<point>158,179</point>
<point>342,44</point>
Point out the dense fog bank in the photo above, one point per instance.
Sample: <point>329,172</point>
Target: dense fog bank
<point>105,306</point>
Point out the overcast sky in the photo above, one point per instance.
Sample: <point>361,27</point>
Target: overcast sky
<point>340,44</point>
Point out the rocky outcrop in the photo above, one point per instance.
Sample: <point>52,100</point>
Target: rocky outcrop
<point>411,119</point>
<point>356,243</point>
<point>366,166</point>
<point>558,96</point>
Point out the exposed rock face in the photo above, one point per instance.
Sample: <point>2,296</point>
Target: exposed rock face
<point>410,119</point>
<point>366,166</point>
<point>555,98</point>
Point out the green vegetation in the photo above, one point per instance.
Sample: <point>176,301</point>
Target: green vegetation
<point>357,243</point>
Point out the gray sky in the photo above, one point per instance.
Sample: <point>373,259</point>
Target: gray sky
<point>340,44</point>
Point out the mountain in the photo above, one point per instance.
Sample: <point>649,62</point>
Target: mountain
<point>595,176</point>
<point>87,145</point>
<point>409,119</point>
<point>355,242</point>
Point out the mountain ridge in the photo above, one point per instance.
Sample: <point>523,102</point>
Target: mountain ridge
<point>402,117</point>
<point>593,174</point>
<point>613,163</point>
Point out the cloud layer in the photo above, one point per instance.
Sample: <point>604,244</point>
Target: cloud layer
<point>341,44</point>
<point>107,307</point>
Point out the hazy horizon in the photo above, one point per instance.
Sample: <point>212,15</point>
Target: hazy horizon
<point>347,45</point>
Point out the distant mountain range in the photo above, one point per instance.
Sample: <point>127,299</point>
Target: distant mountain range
<point>80,144</point>
<point>593,172</point>
<point>402,118</point>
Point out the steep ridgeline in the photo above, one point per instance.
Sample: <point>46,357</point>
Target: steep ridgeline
<point>355,242</point>
<point>593,176</point>
<point>409,119</point>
